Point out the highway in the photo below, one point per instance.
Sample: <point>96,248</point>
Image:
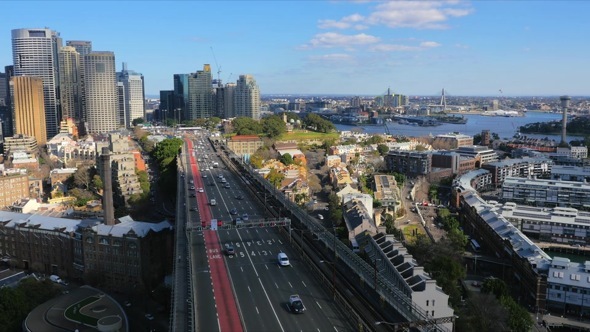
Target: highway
<point>246,291</point>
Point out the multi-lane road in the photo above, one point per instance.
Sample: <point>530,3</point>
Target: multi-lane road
<point>248,290</point>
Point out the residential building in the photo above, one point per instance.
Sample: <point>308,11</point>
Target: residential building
<point>354,195</point>
<point>526,167</point>
<point>200,94</point>
<point>13,187</point>
<point>571,173</point>
<point>247,97</point>
<point>339,177</point>
<point>22,159</point>
<point>392,261</point>
<point>452,140</point>
<point>28,107</point>
<point>568,286</point>
<point>35,53</point>
<point>546,192</point>
<point>61,175</point>
<point>452,160</point>
<point>482,154</point>
<point>357,219</point>
<point>409,163</point>
<point>101,92</point>
<point>386,191</point>
<point>69,83</point>
<point>133,87</point>
<point>229,93</point>
<point>244,145</point>
<point>576,152</point>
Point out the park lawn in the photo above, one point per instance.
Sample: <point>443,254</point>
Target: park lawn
<point>307,135</point>
<point>79,317</point>
<point>409,232</point>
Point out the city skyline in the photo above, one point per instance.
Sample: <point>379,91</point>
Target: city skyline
<point>334,47</point>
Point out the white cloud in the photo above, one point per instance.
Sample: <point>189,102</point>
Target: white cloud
<point>416,14</point>
<point>351,21</point>
<point>334,57</point>
<point>429,44</point>
<point>333,39</point>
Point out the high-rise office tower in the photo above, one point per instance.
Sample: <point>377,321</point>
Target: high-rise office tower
<point>180,97</point>
<point>83,47</point>
<point>69,83</point>
<point>121,105</point>
<point>100,81</point>
<point>229,95</point>
<point>5,111</point>
<point>134,94</point>
<point>34,53</point>
<point>200,94</point>
<point>166,103</point>
<point>3,89</point>
<point>247,97</point>
<point>28,107</point>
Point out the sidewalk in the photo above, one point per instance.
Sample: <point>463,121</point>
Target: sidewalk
<point>558,321</point>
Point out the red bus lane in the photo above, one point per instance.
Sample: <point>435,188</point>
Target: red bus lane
<point>227,310</point>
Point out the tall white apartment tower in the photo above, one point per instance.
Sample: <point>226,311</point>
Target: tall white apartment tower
<point>69,83</point>
<point>134,94</point>
<point>100,81</point>
<point>35,53</point>
<point>247,97</point>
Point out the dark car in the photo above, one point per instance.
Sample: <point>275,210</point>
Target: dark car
<point>296,305</point>
<point>239,197</point>
<point>233,211</point>
<point>229,250</point>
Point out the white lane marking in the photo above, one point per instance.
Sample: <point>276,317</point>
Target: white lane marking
<point>277,286</point>
<point>249,290</point>
<point>335,329</point>
<point>318,304</point>
<point>303,282</point>
<point>280,242</point>
<point>262,286</point>
<point>266,266</point>
<point>258,312</point>
<point>290,284</point>
<point>241,268</point>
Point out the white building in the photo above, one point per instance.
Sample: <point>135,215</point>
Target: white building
<point>100,82</point>
<point>247,97</point>
<point>134,94</point>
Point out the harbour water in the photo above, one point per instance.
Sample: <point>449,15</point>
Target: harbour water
<point>505,127</point>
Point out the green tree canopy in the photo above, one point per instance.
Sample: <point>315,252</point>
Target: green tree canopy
<point>286,159</point>
<point>275,177</point>
<point>137,121</point>
<point>383,149</point>
<point>273,126</point>
<point>246,126</point>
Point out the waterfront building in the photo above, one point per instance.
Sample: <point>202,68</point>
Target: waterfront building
<point>28,107</point>
<point>35,53</point>
<point>546,192</point>
<point>101,92</point>
<point>452,140</point>
<point>133,87</point>
<point>69,83</point>
<point>247,97</point>
<point>526,167</point>
<point>482,154</point>
<point>409,163</point>
<point>568,287</point>
<point>571,173</point>
<point>576,152</point>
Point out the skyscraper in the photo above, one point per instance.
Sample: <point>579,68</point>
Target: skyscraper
<point>100,82</point>
<point>134,94</point>
<point>180,97</point>
<point>34,53</point>
<point>247,97</point>
<point>229,95</point>
<point>200,94</point>
<point>3,89</point>
<point>83,47</point>
<point>28,107</point>
<point>5,112</point>
<point>69,83</point>
<point>121,105</point>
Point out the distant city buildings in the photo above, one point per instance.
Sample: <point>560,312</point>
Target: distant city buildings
<point>101,92</point>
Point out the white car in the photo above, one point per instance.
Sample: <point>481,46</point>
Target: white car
<point>320,217</point>
<point>200,190</point>
<point>282,259</point>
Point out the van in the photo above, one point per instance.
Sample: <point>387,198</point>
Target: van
<point>213,202</point>
<point>55,278</point>
<point>354,246</point>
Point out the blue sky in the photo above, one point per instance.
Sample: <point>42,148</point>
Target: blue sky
<point>334,47</point>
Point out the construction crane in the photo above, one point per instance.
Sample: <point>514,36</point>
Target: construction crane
<point>218,68</point>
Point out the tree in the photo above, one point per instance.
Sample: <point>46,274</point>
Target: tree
<point>383,149</point>
<point>137,121</point>
<point>97,183</point>
<point>82,177</point>
<point>246,126</point>
<point>275,177</point>
<point>286,159</point>
<point>273,126</point>
<point>256,160</point>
